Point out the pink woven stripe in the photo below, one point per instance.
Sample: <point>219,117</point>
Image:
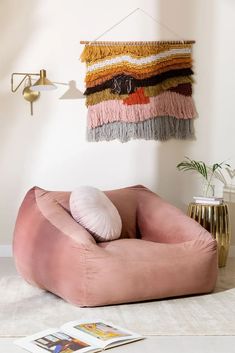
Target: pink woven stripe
<point>165,104</point>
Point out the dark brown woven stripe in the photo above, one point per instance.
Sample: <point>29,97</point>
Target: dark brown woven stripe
<point>150,81</point>
<point>184,88</point>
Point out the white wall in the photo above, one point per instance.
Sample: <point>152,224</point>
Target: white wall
<point>50,148</point>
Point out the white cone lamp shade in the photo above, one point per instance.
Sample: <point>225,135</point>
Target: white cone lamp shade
<point>43,84</point>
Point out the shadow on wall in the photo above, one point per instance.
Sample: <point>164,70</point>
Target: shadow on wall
<point>191,21</point>
<point>16,23</point>
<point>72,92</point>
<point>16,29</point>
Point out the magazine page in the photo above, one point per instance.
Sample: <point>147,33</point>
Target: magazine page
<point>100,333</point>
<point>54,341</point>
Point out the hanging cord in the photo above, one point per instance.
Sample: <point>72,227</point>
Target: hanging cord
<point>130,14</point>
<point>115,25</point>
<point>162,24</point>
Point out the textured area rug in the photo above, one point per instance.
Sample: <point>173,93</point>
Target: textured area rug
<point>25,310</point>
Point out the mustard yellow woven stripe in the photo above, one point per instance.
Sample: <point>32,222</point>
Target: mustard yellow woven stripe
<point>92,53</point>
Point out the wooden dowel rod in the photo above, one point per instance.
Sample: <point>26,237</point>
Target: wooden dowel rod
<point>139,42</point>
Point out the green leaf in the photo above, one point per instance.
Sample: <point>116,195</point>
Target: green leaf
<point>207,171</point>
<point>192,165</point>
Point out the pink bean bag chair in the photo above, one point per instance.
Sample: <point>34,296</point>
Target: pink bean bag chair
<point>161,253</point>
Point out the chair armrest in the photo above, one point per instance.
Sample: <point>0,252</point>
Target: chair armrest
<point>161,222</point>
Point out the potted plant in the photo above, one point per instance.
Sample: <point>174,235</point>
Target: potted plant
<point>209,173</point>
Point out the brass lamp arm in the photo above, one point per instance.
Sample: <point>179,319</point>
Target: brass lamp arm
<point>26,75</point>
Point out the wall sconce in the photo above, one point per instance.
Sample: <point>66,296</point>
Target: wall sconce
<point>32,92</point>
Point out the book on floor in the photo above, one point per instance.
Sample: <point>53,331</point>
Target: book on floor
<point>78,336</point>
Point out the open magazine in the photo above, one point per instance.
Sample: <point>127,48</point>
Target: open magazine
<point>78,336</point>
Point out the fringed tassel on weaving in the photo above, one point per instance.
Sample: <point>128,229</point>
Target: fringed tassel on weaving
<point>160,128</point>
<point>92,53</point>
<point>165,104</point>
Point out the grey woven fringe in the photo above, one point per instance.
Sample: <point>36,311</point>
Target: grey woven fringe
<point>159,128</point>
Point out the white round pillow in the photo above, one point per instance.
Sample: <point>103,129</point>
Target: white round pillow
<point>91,208</point>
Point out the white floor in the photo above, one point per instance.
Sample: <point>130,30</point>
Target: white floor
<point>160,344</point>
<point>152,344</point>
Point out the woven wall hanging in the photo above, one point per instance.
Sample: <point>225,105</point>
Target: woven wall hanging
<point>139,90</point>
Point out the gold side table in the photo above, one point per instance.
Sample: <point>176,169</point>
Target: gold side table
<point>215,219</point>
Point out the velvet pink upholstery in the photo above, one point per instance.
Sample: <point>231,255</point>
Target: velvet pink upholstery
<point>161,253</point>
